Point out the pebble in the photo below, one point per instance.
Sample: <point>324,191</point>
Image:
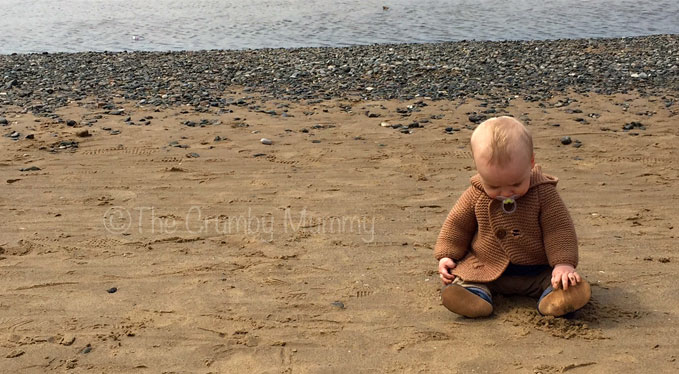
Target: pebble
<point>30,136</point>
<point>633,125</point>
<point>83,133</point>
<point>117,112</point>
<point>68,144</point>
<point>639,75</point>
<point>3,121</point>
<point>577,144</point>
<point>338,304</point>
<point>566,140</point>
<point>477,118</point>
<point>265,141</point>
<point>32,168</point>
<point>71,123</point>
<point>192,155</point>
<point>316,141</point>
<point>112,290</point>
<point>67,340</point>
<point>385,124</point>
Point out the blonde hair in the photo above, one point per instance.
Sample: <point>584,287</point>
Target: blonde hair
<point>505,136</point>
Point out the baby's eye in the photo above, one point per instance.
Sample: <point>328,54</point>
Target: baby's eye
<point>517,184</point>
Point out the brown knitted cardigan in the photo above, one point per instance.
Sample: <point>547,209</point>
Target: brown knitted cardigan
<point>482,239</point>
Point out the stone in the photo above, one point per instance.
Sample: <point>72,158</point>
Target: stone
<point>265,141</point>
<point>67,340</point>
<point>476,118</point>
<point>83,133</point>
<point>338,304</point>
<point>32,168</point>
<point>3,121</point>
<point>566,140</point>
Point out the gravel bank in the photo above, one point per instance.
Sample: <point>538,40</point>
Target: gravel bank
<point>532,69</point>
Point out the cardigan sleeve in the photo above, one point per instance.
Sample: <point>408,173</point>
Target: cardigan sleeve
<point>558,231</point>
<point>459,228</point>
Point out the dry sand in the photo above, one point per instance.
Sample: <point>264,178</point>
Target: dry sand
<point>228,262</point>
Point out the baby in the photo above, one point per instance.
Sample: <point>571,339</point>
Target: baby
<point>509,232</point>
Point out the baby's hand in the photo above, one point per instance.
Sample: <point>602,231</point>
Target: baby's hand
<point>445,266</point>
<point>564,275</point>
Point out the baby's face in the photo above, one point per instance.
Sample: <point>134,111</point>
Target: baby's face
<point>509,180</point>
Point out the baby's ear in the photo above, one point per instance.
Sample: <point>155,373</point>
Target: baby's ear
<point>532,160</point>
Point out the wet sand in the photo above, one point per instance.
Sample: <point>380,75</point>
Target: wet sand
<point>303,256</point>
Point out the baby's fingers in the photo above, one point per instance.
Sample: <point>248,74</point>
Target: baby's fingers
<point>573,278</point>
<point>564,281</point>
<point>555,281</point>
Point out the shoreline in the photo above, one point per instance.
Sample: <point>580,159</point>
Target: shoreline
<point>533,70</point>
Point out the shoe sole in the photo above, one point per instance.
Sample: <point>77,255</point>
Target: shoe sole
<point>458,300</point>
<point>560,302</point>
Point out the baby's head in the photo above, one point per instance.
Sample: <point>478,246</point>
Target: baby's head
<point>503,155</point>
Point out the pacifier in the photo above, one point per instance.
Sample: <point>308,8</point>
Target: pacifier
<point>508,203</point>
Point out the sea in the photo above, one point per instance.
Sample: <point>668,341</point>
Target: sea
<point>178,25</point>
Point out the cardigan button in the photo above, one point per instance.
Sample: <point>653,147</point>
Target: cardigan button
<point>501,233</point>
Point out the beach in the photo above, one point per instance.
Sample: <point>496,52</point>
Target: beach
<point>148,228</point>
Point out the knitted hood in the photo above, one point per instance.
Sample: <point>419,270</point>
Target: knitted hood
<point>536,178</point>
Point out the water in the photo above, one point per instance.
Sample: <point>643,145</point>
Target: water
<point>161,25</point>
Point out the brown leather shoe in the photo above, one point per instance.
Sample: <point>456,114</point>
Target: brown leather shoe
<point>464,302</point>
<point>559,302</point>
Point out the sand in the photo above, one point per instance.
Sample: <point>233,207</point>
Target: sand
<point>315,257</point>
